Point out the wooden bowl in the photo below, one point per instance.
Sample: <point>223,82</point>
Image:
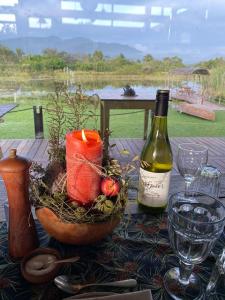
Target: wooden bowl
<point>70,233</point>
<point>43,278</point>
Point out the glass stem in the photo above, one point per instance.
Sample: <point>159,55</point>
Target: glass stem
<point>187,186</point>
<point>185,272</point>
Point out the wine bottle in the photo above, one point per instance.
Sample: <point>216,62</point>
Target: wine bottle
<point>156,160</point>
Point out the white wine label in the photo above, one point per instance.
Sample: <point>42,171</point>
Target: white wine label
<point>153,188</point>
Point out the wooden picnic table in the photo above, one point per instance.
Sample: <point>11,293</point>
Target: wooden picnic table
<point>117,101</point>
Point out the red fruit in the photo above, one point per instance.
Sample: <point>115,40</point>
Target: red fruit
<point>110,187</point>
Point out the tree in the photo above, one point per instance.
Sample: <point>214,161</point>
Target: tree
<point>213,63</point>
<point>19,53</point>
<point>148,58</point>
<point>50,52</point>
<point>54,63</point>
<point>120,60</point>
<point>7,56</point>
<point>172,63</point>
<point>98,55</point>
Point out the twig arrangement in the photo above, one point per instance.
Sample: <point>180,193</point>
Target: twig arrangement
<point>48,185</point>
<point>68,111</point>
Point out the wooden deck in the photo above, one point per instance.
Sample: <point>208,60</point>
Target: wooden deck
<point>37,150</point>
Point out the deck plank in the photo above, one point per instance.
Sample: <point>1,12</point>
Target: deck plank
<point>34,149</point>
<point>40,154</point>
<point>6,145</point>
<point>10,144</point>
<point>37,150</point>
<point>22,146</point>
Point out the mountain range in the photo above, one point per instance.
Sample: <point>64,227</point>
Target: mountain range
<point>84,46</point>
<point>79,45</point>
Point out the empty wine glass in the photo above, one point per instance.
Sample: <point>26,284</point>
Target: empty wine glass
<point>194,224</point>
<point>208,181</point>
<point>190,159</point>
<point>218,270</point>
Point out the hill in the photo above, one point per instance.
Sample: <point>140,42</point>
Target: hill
<point>35,45</point>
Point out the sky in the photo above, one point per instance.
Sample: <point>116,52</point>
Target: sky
<point>179,23</point>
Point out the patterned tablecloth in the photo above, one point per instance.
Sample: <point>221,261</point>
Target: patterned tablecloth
<point>139,248</point>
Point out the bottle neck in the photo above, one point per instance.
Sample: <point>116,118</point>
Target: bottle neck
<point>161,108</point>
<point>159,126</point>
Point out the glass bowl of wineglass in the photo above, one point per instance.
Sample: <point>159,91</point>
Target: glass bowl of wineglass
<point>194,225</point>
<point>191,158</point>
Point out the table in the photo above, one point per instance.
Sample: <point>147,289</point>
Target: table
<point>138,248</point>
<point>186,90</point>
<point>116,101</point>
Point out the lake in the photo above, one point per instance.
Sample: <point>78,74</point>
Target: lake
<point>35,89</point>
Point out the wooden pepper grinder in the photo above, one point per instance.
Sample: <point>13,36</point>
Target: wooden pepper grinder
<point>22,235</point>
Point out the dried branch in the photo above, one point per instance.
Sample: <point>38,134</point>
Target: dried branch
<point>66,112</point>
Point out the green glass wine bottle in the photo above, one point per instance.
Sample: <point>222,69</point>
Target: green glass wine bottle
<point>156,160</point>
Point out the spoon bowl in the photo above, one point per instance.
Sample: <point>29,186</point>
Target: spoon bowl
<point>66,284</point>
<point>59,261</point>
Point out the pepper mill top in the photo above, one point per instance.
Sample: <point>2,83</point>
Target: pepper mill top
<point>14,163</point>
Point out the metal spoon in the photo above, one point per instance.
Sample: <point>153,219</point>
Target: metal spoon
<point>60,261</point>
<point>64,283</point>
<point>90,295</point>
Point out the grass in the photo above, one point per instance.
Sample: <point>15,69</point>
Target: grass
<point>80,76</point>
<point>185,125</point>
<point>20,125</point>
<point>178,125</point>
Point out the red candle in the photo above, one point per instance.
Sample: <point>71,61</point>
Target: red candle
<point>84,150</point>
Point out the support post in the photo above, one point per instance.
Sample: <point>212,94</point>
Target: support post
<point>38,122</point>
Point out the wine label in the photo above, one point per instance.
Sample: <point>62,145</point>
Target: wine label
<point>153,188</point>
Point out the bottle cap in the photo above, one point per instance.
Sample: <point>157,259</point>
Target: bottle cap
<point>162,98</point>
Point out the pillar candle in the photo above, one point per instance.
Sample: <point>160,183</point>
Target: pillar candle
<point>84,151</point>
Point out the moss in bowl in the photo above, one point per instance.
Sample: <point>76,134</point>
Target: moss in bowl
<point>73,223</point>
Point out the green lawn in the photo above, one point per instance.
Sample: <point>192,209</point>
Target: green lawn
<point>185,125</point>
<point>21,125</point>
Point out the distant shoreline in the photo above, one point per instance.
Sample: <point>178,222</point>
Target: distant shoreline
<point>77,75</point>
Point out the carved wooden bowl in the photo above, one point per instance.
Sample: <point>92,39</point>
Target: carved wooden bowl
<point>41,278</point>
<point>70,233</point>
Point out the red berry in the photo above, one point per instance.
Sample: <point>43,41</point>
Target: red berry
<point>110,187</point>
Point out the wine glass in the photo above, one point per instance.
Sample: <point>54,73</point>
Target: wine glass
<point>190,159</point>
<point>217,271</point>
<point>194,224</point>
